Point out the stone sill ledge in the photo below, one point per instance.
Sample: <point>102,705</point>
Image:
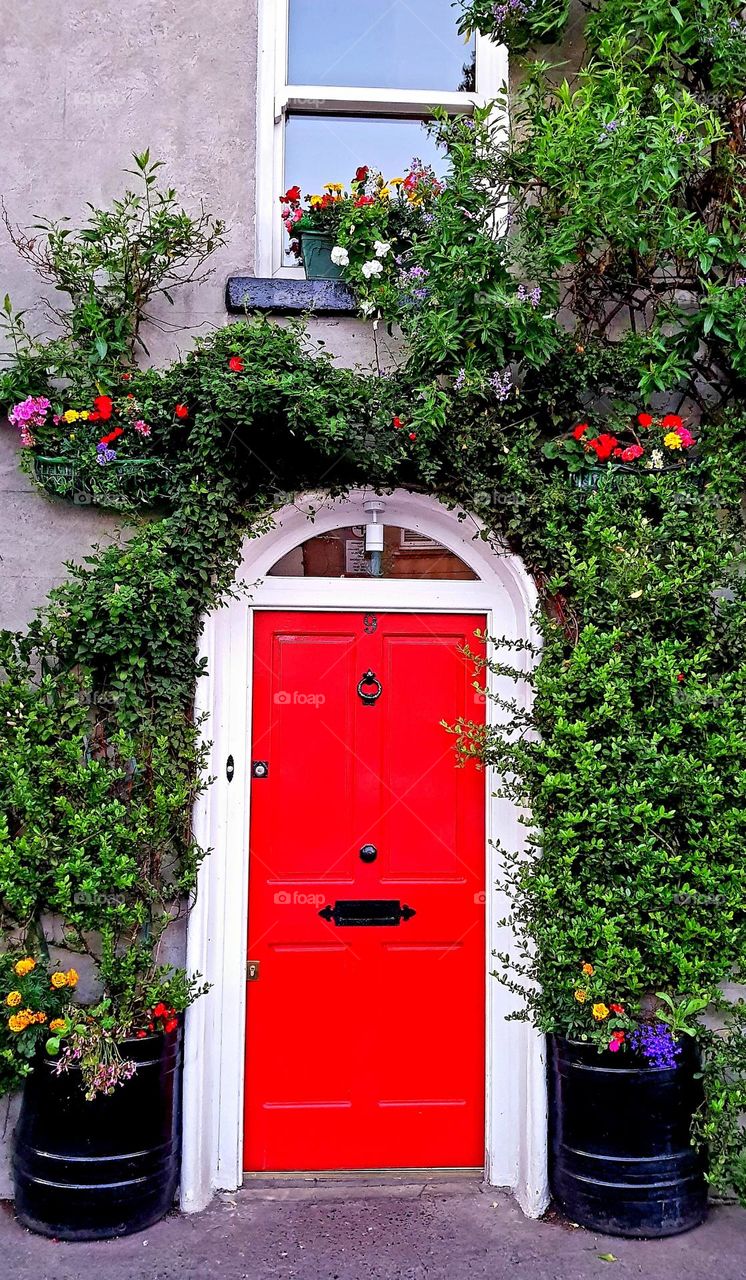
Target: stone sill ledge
<point>288,297</point>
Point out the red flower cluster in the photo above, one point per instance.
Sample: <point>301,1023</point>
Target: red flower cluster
<point>236,364</point>
<point>163,1015</point>
<point>181,411</point>
<point>113,435</point>
<point>103,410</point>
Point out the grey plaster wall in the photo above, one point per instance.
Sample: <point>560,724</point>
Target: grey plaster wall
<point>83,84</point>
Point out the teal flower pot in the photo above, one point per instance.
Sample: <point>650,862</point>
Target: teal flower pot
<point>316,254</point>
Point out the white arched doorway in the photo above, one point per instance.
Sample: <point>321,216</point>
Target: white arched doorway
<point>499,588</point>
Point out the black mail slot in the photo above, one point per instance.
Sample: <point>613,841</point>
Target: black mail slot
<point>366,911</point>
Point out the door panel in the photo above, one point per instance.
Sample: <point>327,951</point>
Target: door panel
<point>365,1044</point>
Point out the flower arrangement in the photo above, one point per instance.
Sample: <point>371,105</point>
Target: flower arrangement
<point>372,224</point>
<point>39,1011</point>
<point>648,442</point>
<point>650,1027</point>
<point>106,429</point>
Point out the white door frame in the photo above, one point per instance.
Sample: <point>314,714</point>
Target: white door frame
<point>516,1124</point>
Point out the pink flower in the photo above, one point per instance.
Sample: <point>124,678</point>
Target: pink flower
<point>141,427</point>
<point>615,1045</point>
<point>686,437</point>
<point>632,453</point>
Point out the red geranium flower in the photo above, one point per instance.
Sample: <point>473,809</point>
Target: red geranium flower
<point>603,446</point>
<point>617,1008</point>
<point>672,422</point>
<point>579,431</point>
<point>398,423</point>
<point>413,435</point>
<point>361,174</point>
<point>362,201</point>
<point>160,1010</point>
<point>104,406</point>
<point>126,377</point>
<point>113,435</point>
<point>291,196</point>
<point>182,411</point>
<point>680,677</point>
<point>235,364</point>
<point>171,1025</point>
<point>645,419</point>
<point>141,1035</point>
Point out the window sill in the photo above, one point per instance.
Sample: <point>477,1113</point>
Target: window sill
<point>288,297</point>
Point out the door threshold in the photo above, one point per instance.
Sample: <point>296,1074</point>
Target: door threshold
<point>371,1177</point>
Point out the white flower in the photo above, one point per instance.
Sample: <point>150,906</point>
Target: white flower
<point>372,269</point>
<point>381,248</point>
<point>340,256</point>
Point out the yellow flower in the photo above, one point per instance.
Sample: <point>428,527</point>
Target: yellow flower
<point>600,1012</point>
<point>13,999</point>
<point>85,415</point>
<point>316,200</point>
<point>580,996</point>
<point>18,1022</point>
<point>70,415</point>
<point>384,193</point>
<point>58,979</point>
<point>333,186</point>
<point>672,441</point>
<point>588,969</point>
<point>57,1024</point>
<point>72,978</point>
<point>22,967</point>
<point>395,182</point>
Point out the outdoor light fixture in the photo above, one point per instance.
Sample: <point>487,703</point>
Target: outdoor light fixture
<point>374,536</point>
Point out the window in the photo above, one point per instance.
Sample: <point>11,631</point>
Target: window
<point>348,82</point>
<point>341,554</point>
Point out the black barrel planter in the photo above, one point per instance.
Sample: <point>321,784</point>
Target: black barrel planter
<point>621,1161</point>
<point>94,1170</point>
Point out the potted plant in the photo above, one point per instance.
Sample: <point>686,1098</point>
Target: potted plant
<point>358,234</point>
<point>625,1086</point>
<point>646,443</point>
<point>97,1144</point>
<point>100,453</point>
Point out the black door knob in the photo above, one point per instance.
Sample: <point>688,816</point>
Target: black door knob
<point>369,853</point>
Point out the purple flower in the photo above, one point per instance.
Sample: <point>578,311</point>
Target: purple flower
<point>30,413</point>
<point>460,380</point>
<point>104,455</point>
<point>501,384</point>
<point>533,296</point>
<point>654,1040</point>
<point>608,129</point>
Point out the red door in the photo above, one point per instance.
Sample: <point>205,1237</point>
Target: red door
<point>365,1024</point>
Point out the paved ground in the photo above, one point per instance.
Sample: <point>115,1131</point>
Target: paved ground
<point>438,1231</point>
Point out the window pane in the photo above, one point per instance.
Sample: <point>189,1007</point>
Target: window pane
<point>342,554</point>
<point>320,149</point>
<point>386,44</point>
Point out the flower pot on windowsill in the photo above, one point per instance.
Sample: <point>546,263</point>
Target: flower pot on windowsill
<point>621,1160</point>
<point>316,255</point>
<point>95,1170</point>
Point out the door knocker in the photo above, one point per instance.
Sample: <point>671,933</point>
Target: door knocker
<point>370,681</point>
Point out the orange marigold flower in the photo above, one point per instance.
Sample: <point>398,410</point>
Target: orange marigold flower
<point>600,1012</point>
<point>13,999</point>
<point>18,1022</point>
<point>22,967</point>
<point>58,980</point>
<point>588,969</point>
<point>581,996</point>
<point>57,1024</point>
<point>40,1017</point>
<point>72,978</point>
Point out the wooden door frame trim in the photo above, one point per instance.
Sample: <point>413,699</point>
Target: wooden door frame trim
<point>516,1121</point>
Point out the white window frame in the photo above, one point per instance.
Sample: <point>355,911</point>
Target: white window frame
<point>276,98</point>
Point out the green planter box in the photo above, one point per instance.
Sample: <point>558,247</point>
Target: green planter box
<point>316,253</point>
<point>122,481</point>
